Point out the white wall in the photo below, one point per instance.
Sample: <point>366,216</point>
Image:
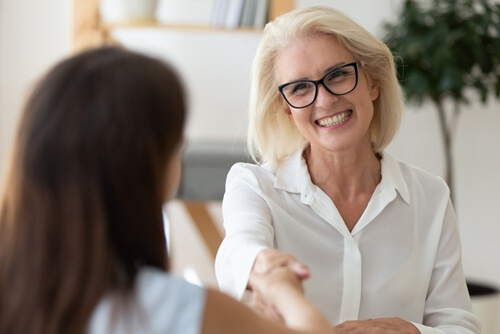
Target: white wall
<point>216,66</point>
<point>216,70</point>
<point>33,35</point>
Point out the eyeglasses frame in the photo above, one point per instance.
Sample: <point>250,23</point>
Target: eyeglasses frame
<point>321,81</point>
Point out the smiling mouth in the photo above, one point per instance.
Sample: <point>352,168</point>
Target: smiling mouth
<point>334,120</point>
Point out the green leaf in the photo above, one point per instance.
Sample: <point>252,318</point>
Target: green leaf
<point>446,49</point>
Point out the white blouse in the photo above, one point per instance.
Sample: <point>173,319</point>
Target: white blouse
<point>162,303</point>
<point>402,259</point>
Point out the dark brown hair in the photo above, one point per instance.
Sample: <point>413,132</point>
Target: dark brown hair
<point>82,208</point>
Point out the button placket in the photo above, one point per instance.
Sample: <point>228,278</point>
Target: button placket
<point>351,297</point>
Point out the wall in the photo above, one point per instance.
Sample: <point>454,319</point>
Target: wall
<point>216,67</point>
<point>216,70</point>
<point>33,35</point>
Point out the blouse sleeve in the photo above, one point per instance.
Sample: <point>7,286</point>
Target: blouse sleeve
<point>248,226</point>
<point>448,307</point>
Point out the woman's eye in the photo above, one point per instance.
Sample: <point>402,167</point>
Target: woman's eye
<point>336,75</point>
<point>300,87</point>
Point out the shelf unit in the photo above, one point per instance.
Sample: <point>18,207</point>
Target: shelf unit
<point>89,31</point>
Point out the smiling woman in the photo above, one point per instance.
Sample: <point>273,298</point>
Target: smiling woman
<point>346,95</point>
<point>355,224</point>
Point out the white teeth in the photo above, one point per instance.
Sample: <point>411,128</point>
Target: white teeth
<point>337,119</point>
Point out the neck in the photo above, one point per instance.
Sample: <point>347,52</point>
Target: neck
<point>344,173</point>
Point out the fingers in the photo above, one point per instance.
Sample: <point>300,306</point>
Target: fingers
<point>274,274</point>
<point>301,270</point>
<point>269,259</point>
<point>271,289</point>
<point>269,283</point>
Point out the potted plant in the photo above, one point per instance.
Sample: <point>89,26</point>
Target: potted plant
<point>445,51</point>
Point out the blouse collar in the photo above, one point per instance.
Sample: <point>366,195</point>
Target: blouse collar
<point>293,176</point>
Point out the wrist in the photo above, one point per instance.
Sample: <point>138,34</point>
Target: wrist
<point>296,310</point>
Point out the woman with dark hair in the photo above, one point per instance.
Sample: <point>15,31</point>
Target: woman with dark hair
<point>82,243</point>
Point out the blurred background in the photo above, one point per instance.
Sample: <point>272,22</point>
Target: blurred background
<point>215,64</point>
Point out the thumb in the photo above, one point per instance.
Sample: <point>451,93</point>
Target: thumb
<point>299,269</point>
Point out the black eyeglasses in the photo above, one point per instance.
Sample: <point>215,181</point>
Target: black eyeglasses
<point>339,81</point>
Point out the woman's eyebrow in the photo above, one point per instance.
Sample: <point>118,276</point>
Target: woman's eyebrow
<point>330,68</point>
<point>335,66</point>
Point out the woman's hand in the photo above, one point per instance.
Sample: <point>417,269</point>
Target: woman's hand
<point>281,290</point>
<point>270,259</point>
<point>273,285</point>
<point>377,326</point>
<point>269,289</point>
<point>266,262</point>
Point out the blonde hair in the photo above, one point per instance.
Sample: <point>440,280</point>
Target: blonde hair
<point>271,134</point>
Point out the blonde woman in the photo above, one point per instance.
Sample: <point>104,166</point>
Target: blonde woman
<point>379,237</point>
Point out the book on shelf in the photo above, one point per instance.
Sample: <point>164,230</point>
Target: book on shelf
<point>234,13</point>
<point>261,12</point>
<point>220,13</point>
<point>248,15</point>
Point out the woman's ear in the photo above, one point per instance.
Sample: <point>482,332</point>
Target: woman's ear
<point>373,86</point>
<point>374,91</point>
